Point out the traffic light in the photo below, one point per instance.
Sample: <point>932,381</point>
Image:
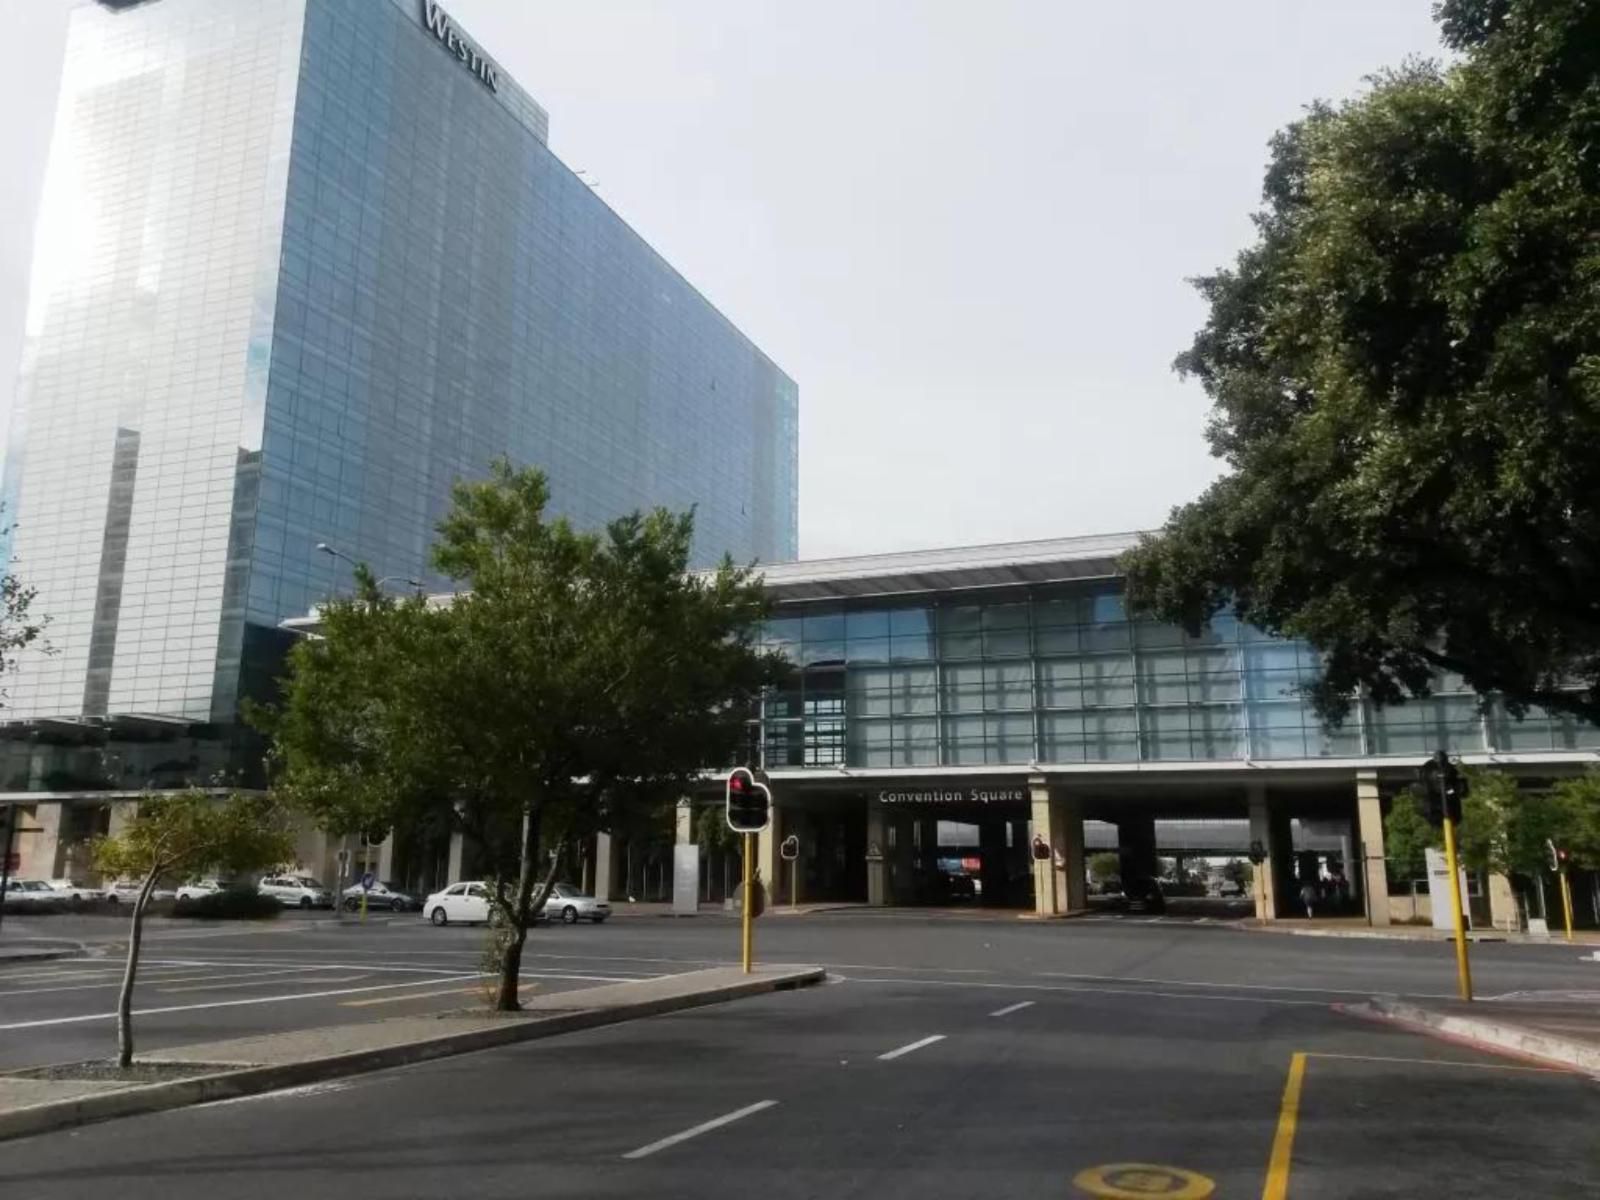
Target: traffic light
<point>1446,788</point>
<point>1258,852</point>
<point>749,802</point>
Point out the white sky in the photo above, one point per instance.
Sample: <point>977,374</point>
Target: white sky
<point>963,228</point>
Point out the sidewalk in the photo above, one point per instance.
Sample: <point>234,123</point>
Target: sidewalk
<point>1560,1029</point>
<point>32,1102</point>
<point>1357,927</point>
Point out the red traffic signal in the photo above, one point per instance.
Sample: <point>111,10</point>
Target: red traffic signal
<point>749,802</point>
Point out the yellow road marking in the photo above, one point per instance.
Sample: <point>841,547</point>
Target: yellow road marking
<point>411,996</point>
<point>1441,1062</point>
<point>1277,1187</point>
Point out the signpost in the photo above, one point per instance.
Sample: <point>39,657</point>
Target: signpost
<point>748,812</point>
<point>789,851</point>
<point>1558,864</point>
<point>366,886</point>
<point>343,859</point>
<point>1447,788</point>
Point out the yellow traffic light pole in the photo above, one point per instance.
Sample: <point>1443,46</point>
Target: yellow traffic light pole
<point>1463,969</point>
<point>1566,899</point>
<point>747,934</point>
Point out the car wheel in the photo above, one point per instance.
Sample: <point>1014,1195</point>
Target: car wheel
<point>438,917</point>
<point>111,898</point>
<point>569,915</point>
<point>305,901</point>
<point>397,906</point>
<point>598,920</point>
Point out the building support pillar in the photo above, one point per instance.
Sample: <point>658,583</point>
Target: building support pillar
<point>1503,911</point>
<point>877,889</point>
<point>1374,878</point>
<point>769,863</point>
<point>1058,887</point>
<point>1136,848</point>
<point>1266,881</point>
<point>43,857</point>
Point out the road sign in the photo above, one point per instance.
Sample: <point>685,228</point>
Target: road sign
<point>790,849</point>
<point>344,859</point>
<point>367,881</point>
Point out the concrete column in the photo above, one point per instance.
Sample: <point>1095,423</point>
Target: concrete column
<point>877,849</point>
<point>1057,881</point>
<point>683,823</point>
<point>42,849</point>
<point>605,865</point>
<point>458,845</point>
<point>1136,847</point>
<point>903,860</point>
<point>1266,890</point>
<point>1369,814</point>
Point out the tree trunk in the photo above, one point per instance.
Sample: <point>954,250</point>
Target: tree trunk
<point>528,902</point>
<point>125,997</point>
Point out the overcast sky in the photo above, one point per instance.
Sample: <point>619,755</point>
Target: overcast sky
<point>963,228</point>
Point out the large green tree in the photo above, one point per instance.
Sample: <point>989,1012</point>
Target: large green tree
<point>1405,371</point>
<point>578,681</point>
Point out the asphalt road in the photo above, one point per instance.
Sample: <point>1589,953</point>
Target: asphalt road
<point>951,1058</point>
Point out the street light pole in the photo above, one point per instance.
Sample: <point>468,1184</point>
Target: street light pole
<point>335,552</point>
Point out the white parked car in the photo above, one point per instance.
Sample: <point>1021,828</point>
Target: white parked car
<point>572,906</point>
<point>126,891</point>
<point>28,893</point>
<point>199,889</point>
<point>296,891</point>
<point>465,902</point>
<point>73,893</point>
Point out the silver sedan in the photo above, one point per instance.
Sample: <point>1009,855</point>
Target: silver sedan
<point>570,905</point>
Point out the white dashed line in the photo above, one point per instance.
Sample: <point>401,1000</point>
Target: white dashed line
<point>737,1114</point>
<point>1011,1008</point>
<point>917,1045</point>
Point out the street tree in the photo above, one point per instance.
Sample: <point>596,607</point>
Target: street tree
<point>1237,872</point>
<point>20,627</point>
<point>1405,373</point>
<point>576,680</point>
<point>1408,836</point>
<point>1105,866</point>
<point>178,834</point>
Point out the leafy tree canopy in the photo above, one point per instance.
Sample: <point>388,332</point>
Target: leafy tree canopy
<point>579,681</point>
<point>1407,835</point>
<point>1405,371</point>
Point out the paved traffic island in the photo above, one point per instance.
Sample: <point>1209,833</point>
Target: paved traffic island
<point>41,1099</point>
<point>1560,1029</point>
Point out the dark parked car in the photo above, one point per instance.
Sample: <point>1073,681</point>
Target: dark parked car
<point>1144,895</point>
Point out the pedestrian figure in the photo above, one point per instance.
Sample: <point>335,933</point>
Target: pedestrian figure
<point>1308,896</point>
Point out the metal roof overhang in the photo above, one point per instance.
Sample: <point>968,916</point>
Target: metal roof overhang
<point>965,568</point>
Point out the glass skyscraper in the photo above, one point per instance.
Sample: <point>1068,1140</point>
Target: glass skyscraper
<point>300,265</point>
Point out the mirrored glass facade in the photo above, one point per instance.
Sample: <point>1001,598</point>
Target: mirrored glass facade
<point>1061,674</point>
<point>302,265</point>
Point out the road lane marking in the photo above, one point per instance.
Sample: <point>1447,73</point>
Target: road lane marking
<point>1093,991</point>
<point>176,1008</point>
<point>258,982</point>
<point>1136,1181</point>
<point>1011,1008</point>
<point>737,1114</point>
<point>411,996</point>
<point>116,981</point>
<point>1277,1185</point>
<point>910,1046</point>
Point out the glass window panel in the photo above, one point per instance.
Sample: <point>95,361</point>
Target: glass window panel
<point>1010,739</point>
<point>1104,607</point>
<point>1163,676</point>
<point>1422,726</point>
<point>831,651</point>
<point>911,647</point>
<point>1059,681</point>
<point>1277,730</point>
<point>1009,685</point>
<point>1005,643</point>
<point>910,622</point>
<point>963,688</point>
<point>1217,731</point>
<point>868,650</point>
<point>1111,735</point>
<point>871,624</point>
<point>1107,681</point>
<point>1061,737</point>
<point>1166,733</point>
<point>916,743</point>
<point>1104,637</point>
<point>1056,639</point>
<point>1005,616</point>
<point>963,740</point>
<point>870,691</point>
<point>915,690</point>
<point>823,626</point>
<point>1155,636</point>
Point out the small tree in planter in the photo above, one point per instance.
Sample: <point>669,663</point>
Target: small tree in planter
<point>180,834</point>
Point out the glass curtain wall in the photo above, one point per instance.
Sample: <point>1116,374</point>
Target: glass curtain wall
<point>1063,675</point>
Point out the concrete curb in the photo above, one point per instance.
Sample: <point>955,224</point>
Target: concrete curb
<point>1378,935</point>
<point>1485,1034</point>
<point>249,1081</point>
<point>32,956</point>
